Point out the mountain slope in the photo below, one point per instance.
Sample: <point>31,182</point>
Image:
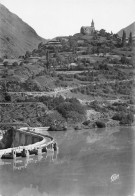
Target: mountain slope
<point>16,37</point>
<point>128,29</point>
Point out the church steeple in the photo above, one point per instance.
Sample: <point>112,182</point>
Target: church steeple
<point>92,23</point>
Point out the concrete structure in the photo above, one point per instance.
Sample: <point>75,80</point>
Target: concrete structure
<point>88,30</point>
<point>53,43</point>
<point>27,139</point>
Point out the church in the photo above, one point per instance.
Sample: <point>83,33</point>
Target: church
<point>88,30</point>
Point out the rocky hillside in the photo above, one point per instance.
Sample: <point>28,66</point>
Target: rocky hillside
<point>16,37</point>
<point>128,29</point>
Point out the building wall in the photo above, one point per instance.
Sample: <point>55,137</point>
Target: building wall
<point>87,30</point>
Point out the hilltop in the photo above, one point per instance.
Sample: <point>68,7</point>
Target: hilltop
<point>94,74</point>
<point>16,36</point>
<point>128,29</point>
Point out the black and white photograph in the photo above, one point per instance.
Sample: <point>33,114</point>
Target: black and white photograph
<point>67,98</point>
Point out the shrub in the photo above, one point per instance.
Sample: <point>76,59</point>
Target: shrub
<point>74,116</point>
<point>31,85</point>
<point>54,74</point>
<point>71,107</point>
<point>1,60</point>
<point>73,100</point>
<point>86,123</point>
<point>66,107</point>
<point>51,103</point>
<point>51,119</point>
<point>7,138</point>
<point>26,61</point>
<point>124,118</point>
<point>100,124</point>
<point>7,97</point>
<point>121,108</point>
<point>127,119</point>
<point>77,127</point>
<point>5,63</point>
<point>14,64</point>
<point>116,116</point>
<point>21,64</point>
<point>95,105</point>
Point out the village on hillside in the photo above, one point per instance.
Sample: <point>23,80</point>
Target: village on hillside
<point>80,81</point>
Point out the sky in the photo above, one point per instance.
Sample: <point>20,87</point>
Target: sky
<point>51,18</point>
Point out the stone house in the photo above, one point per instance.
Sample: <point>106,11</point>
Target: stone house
<point>88,30</point>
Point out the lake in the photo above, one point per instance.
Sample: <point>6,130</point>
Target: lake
<point>89,163</point>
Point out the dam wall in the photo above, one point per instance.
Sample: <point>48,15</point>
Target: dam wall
<point>28,139</point>
<point>24,138</point>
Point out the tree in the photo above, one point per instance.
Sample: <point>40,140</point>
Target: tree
<point>124,38</point>
<point>73,44</point>
<point>21,64</point>
<point>40,45</point>
<point>130,40</point>
<point>124,117</point>
<point>5,63</point>
<point>1,60</point>
<point>124,59</point>
<point>27,54</point>
<point>48,59</point>
<point>102,32</point>
<point>7,97</point>
<point>66,107</point>
<point>15,64</point>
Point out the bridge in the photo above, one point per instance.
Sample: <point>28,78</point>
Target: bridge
<point>28,139</point>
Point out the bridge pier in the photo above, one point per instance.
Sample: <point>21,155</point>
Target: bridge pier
<point>30,142</point>
<point>14,154</point>
<point>39,151</point>
<point>25,153</point>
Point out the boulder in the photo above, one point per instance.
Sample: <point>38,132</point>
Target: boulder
<point>100,124</point>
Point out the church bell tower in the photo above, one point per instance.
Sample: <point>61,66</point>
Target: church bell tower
<point>92,23</point>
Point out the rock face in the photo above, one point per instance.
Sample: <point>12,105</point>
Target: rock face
<point>16,37</point>
<point>128,29</point>
<point>7,139</point>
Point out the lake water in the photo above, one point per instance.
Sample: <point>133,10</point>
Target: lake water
<point>87,164</point>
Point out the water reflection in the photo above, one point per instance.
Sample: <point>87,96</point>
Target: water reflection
<point>82,168</point>
<point>21,163</point>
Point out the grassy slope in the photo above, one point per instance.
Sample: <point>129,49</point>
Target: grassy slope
<point>16,37</point>
<point>128,29</point>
